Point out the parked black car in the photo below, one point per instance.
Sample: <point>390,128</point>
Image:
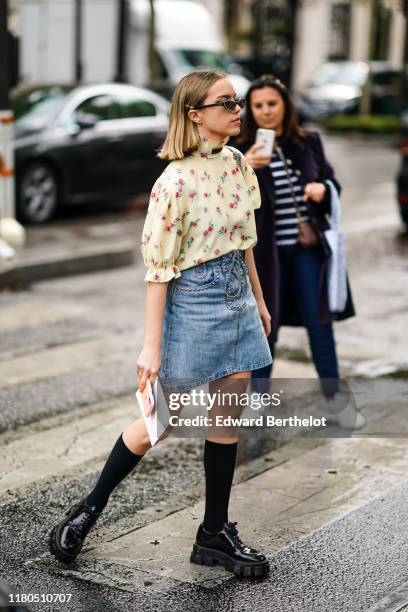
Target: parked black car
<point>336,88</point>
<point>402,176</point>
<point>77,144</point>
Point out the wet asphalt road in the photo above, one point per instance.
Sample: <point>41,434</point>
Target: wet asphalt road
<point>338,568</point>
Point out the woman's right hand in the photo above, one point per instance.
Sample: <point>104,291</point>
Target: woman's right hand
<point>148,365</point>
<point>257,161</point>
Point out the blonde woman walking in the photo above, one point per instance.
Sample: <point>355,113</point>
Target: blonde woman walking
<point>205,316</point>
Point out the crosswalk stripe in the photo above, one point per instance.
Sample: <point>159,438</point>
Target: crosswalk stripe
<point>38,456</point>
<point>59,360</point>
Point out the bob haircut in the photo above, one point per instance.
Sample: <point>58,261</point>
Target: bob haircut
<point>291,128</point>
<point>182,137</point>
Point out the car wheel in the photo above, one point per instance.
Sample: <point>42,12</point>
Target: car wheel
<point>38,193</point>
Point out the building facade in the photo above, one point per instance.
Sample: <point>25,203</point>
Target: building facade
<point>310,32</point>
<point>357,30</point>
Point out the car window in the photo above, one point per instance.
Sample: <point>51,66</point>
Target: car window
<point>342,73</point>
<point>195,58</point>
<point>132,106</point>
<point>37,108</point>
<point>102,107</point>
<point>43,101</point>
<point>386,78</point>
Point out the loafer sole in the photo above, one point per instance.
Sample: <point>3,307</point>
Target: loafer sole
<point>56,551</point>
<point>209,556</point>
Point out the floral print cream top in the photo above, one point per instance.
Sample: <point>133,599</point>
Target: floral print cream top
<point>201,207</point>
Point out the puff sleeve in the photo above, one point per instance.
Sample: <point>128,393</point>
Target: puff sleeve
<point>250,180</point>
<point>163,230</point>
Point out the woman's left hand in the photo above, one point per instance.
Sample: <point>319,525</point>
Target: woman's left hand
<point>265,316</point>
<point>315,192</point>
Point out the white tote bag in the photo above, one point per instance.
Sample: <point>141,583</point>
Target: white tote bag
<point>337,267</point>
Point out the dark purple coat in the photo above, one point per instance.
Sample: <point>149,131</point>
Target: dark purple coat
<point>310,163</point>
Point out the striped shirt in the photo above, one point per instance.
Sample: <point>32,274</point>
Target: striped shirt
<point>285,214</point>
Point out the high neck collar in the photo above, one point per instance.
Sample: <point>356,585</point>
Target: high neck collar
<point>209,148</point>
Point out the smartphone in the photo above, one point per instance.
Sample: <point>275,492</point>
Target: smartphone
<point>267,139</point>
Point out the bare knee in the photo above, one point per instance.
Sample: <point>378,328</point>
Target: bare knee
<point>136,438</point>
<point>233,386</point>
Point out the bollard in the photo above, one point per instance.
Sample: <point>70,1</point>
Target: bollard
<point>10,230</point>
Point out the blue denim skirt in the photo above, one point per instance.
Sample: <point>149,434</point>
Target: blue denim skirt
<point>212,325</point>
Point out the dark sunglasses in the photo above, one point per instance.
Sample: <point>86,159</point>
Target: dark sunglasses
<point>229,105</point>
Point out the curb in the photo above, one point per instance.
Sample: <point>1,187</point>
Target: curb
<point>88,260</point>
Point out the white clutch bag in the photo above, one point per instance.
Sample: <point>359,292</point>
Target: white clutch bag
<point>154,410</point>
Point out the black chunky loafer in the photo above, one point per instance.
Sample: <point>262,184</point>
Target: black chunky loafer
<point>67,538</point>
<point>226,548</point>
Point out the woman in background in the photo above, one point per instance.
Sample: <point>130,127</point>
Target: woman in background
<point>294,185</point>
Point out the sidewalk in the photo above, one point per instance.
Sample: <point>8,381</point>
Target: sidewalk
<point>74,246</point>
<point>300,488</point>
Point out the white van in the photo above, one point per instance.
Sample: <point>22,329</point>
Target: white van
<point>185,37</point>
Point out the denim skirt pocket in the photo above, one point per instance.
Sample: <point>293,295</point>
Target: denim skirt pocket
<point>199,277</point>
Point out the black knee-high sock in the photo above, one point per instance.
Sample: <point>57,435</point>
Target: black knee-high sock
<point>119,464</point>
<point>219,465</point>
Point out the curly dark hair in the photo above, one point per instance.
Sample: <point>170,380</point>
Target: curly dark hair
<point>291,128</point>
